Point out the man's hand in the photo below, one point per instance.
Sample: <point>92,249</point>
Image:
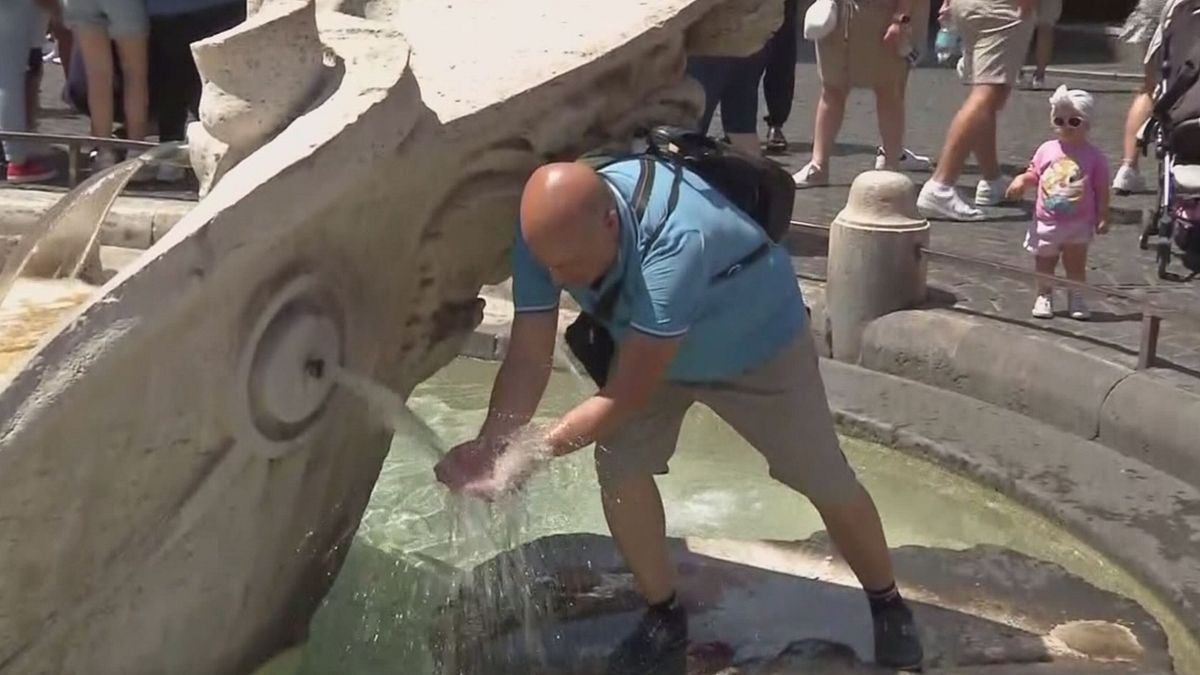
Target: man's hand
<point>1027,7</point>
<point>492,468</point>
<point>468,463</point>
<point>944,11</point>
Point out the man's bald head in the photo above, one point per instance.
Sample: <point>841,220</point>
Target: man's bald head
<point>569,221</point>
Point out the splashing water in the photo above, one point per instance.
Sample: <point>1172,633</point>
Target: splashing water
<point>68,231</point>
<point>467,606</point>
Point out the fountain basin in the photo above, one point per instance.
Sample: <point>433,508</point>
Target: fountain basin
<point>989,577</point>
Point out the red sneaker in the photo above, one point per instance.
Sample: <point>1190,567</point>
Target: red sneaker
<point>29,171</point>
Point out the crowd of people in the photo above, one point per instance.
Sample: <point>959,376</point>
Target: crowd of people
<point>127,64</point>
<point>874,44</point>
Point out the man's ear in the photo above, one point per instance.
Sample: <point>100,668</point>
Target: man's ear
<point>612,221</point>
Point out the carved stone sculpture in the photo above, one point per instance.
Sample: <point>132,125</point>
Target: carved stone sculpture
<point>179,477</point>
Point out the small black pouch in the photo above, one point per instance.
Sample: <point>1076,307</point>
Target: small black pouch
<point>592,346</point>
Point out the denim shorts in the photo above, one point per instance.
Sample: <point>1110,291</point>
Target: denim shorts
<point>120,18</point>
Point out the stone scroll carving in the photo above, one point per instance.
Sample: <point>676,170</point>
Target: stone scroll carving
<point>175,495</point>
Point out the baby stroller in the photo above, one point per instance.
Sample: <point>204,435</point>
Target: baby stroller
<point>1174,129</point>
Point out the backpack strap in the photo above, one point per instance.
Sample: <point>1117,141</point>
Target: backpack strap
<point>641,199</point>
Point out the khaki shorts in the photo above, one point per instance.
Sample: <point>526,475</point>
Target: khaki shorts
<point>779,408</point>
<point>873,64</point>
<point>995,39</point>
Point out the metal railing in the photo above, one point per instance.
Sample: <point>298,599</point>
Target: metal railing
<point>1152,312</point>
<point>74,144</point>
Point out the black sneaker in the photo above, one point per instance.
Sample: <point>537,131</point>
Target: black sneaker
<point>897,642</point>
<point>658,646</point>
<point>776,141</point>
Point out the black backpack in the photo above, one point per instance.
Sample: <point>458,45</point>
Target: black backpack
<point>759,187</point>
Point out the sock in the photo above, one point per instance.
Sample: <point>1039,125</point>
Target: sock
<point>666,605</point>
<point>884,599</point>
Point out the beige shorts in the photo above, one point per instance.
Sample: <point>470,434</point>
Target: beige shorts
<point>1048,12</point>
<point>779,408</point>
<point>995,37</point>
<point>854,55</point>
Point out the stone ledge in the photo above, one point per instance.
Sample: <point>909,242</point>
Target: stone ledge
<point>133,222</point>
<point>1131,512</point>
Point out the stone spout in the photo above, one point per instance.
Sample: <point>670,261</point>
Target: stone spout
<point>177,486</point>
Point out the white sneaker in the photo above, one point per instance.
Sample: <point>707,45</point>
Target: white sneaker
<point>1127,180</point>
<point>991,192</point>
<point>103,158</point>
<point>1077,307</point>
<point>811,176</point>
<point>941,202</point>
<point>1043,306</point>
<point>909,161</point>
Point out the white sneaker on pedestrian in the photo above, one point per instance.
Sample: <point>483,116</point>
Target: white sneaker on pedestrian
<point>1128,180</point>
<point>811,176</point>
<point>941,202</point>
<point>1043,306</point>
<point>102,158</point>
<point>991,192</point>
<point>909,161</point>
<point>1077,306</point>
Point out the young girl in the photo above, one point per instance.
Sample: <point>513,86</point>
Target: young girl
<point>1072,181</point>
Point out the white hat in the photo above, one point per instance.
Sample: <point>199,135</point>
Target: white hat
<point>820,19</point>
<point>1076,99</point>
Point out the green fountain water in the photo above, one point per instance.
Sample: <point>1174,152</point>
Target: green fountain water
<point>414,540</point>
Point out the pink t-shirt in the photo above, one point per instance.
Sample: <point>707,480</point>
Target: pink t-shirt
<point>1069,180</point>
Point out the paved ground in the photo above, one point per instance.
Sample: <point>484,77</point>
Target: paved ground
<point>1116,261</point>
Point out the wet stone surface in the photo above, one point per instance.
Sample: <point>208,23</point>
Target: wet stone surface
<point>759,608</point>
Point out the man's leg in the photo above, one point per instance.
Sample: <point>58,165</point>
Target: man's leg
<point>1128,178</point>
<point>739,103</point>
<point>986,153</point>
<point>634,511</point>
<point>781,409</point>
<point>626,464</point>
<point>779,77</point>
<point>889,109</point>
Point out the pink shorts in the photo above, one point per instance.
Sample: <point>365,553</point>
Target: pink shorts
<point>1048,238</point>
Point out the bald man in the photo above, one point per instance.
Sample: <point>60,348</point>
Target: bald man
<point>707,310</point>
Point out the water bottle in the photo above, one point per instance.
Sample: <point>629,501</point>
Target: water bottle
<point>945,45</point>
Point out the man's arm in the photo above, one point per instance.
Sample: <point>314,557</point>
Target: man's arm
<point>642,364</point>
<point>523,375</point>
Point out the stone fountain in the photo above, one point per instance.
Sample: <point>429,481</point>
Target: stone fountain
<point>176,489</point>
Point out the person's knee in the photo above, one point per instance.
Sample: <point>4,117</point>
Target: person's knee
<point>988,98</point>
<point>835,93</point>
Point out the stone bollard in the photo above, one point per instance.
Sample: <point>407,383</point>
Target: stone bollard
<point>874,265</point>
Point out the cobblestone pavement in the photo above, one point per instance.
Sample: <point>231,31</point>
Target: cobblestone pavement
<point>1115,260</point>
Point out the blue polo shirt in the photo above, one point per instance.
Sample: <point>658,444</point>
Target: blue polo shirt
<point>686,285</point>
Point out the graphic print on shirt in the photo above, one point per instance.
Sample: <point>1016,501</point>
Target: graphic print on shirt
<point>1062,188</point>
